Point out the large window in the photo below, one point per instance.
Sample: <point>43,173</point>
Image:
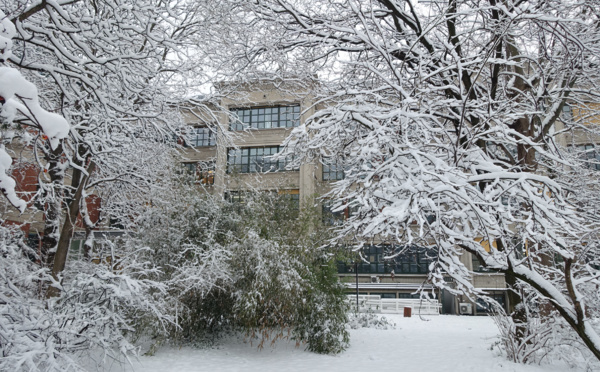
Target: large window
<point>329,217</point>
<point>201,137</point>
<point>291,197</point>
<point>265,117</point>
<point>77,249</point>
<point>255,159</point>
<point>567,113</point>
<point>332,172</point>
<point>477,266</point>
<point>189,168</point>
<point>412,260</point>
<point>284,204</point>
<point>484,307</point>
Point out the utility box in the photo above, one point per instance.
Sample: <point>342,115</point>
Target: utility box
<point>465,309</point>
<point>407,312</point>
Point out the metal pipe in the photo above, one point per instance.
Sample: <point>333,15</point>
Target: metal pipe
<point>356,273</point>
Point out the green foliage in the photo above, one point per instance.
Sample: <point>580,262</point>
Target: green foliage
<point>323,314</point>
<point>256,267</point>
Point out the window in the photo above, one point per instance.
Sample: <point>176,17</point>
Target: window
<point>383,294</point>
<point>189,168</point>
<point>291,197</point>
<point>265,117</point>
<point>415,260</point>
<point>202,172</point>
<point>201,137</point>
<point>116,223</point>
<point>412,260</point>
<point>235,197</point>
<point>485,307</point>
<point>255,160</point>
<point>567,113</point>
<point>33,241</point>
<point>282,204</point>
<point>589,155</point>
<point>331,218</point>
<point>477,266</point>
<point>332,172</point>
<point>409,295</point>
<point>285,204</point>
<point>76,251</point>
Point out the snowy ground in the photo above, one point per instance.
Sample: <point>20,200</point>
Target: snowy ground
<point>442,344</point>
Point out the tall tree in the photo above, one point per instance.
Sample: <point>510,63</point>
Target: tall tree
<point>105,66</point>
<point>83,94</point>
<point>447,119</point>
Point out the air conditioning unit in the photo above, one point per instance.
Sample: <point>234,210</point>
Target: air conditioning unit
<point>374,279</point>
<point>465,309</point>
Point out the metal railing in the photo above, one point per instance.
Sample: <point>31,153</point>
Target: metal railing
<point>395,305</point>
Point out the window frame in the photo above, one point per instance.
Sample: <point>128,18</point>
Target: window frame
<point>189,167</point>
<point>332,171</point>
<point>205,172</point>
<point>413,261</point>
<point>291,196</point>
<point>286,116</point>
<point>204,139</point>
<point>566,114</point>
<point>252,160</point>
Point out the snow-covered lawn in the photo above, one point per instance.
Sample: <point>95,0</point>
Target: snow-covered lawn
<point>443,343</point>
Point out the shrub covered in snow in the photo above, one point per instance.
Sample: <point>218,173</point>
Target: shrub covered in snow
<point>99,306</point>
<point>255,267</point>
<point>369,320</point>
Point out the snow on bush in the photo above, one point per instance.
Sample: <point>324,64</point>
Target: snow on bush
<point>369,320</point>
<point>549,338</point>
<point>244,268</point>
<point>97,311</point>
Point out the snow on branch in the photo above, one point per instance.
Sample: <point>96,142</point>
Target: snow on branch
<point>18,94</point>
<point>14,88</point>
<point>7,32</point>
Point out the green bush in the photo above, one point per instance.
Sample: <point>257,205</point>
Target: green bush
<point>257,267</point>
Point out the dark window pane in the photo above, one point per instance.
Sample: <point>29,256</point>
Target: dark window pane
<point>332,171</point>
<point>201,136</point>
<point>265,117</point>
<point>256,159</point>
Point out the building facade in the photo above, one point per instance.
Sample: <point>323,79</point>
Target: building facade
<point>229,151</point>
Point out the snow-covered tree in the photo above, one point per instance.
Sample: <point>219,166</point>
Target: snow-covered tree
<point>109,68</point>
<point>447,119</point>
<point>99,307</point>
<point>83,92</point>
<point>19,95</point>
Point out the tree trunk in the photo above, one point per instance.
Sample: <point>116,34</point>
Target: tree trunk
<point>516,308</point>
<point>579,324</point>
<point>62,249</point>
<point>53,206</point>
